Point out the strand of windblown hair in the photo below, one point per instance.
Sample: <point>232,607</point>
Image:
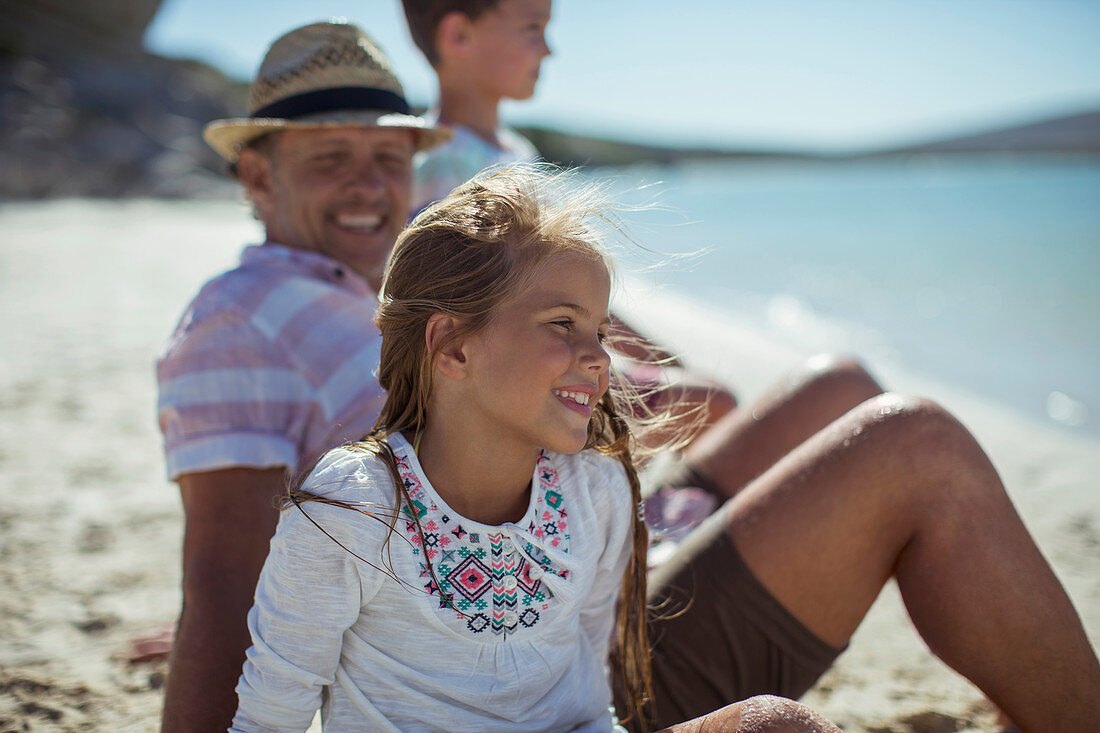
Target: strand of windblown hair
<point>610,434</point>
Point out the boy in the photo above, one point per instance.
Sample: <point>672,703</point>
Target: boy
<point>482,51</point>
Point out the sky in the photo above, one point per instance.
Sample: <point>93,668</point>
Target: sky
<point>815,75</point>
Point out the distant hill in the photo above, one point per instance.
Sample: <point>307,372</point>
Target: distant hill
<point>566,149</point>
<point>1077,133</point>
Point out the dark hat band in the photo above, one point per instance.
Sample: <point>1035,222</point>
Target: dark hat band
<point>333,99</point>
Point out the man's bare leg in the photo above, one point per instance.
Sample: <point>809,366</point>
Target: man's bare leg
<point>899,487</point>
<point>750,440</point>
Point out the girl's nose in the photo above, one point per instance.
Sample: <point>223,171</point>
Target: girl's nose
<point>596,357</point>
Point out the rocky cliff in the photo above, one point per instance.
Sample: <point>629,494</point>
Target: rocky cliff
<point>86,111</point>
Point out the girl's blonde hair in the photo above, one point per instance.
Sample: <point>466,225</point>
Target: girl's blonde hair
<point>465,257</point>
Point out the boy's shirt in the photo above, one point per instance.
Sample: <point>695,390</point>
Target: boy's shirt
<point>442,169</point>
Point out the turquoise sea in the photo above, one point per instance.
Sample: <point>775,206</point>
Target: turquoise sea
<point>977,271</point>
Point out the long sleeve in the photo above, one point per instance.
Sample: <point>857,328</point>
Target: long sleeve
<point>309,593</point>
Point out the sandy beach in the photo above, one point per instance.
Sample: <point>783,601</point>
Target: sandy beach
<point>90,528</point>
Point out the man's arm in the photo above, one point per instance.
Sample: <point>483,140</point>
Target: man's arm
<point>230,516</point>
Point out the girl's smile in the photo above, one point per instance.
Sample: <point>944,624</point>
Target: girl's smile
<point>578,398</point>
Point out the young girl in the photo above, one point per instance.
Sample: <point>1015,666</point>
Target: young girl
<point>463,567</point>
<point>498,513</point>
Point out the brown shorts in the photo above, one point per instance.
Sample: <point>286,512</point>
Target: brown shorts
<point>719,636</point>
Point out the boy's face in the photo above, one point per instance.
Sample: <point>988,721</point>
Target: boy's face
<point>506,47</point>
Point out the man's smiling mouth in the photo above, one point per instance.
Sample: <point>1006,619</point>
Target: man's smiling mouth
<point>361,223</point>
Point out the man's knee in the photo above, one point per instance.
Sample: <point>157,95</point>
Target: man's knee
<point>917,437</point>
<point>844,376</point>
<point>909,423</point>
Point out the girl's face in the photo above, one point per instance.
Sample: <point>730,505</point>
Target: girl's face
<point>537,370</point>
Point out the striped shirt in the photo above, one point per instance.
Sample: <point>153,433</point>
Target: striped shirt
<point>272,364</point>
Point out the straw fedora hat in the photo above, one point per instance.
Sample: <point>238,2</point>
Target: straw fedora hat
<point>321,75</point>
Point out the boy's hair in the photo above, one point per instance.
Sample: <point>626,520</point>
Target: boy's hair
<point>423,17</point>
<point>466,256</point>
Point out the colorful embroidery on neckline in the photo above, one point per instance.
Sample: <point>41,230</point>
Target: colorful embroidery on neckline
<point>489,582</point>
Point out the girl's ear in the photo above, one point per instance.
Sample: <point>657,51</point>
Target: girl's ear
<point>450,359</point>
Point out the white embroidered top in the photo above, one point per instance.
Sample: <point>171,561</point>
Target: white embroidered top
<point>521,645</point>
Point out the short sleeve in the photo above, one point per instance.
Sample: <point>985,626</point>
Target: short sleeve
<point>229,397</point>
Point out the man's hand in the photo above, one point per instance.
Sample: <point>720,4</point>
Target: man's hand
<point>230,516</point>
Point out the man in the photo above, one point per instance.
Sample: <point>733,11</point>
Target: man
<point>271,365</point>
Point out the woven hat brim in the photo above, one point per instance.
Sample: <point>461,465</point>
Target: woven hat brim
<point>228,137</point>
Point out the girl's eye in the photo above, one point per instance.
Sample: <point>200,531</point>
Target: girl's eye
<point>566,323</point>
<point>602,336</point>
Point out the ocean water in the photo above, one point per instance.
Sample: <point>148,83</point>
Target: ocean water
<point>980,273</point>
<point>977,271</point>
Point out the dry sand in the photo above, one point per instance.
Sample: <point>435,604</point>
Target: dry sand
<point>90,529</point>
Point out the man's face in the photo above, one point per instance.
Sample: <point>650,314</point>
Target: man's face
<point>343,192</point>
